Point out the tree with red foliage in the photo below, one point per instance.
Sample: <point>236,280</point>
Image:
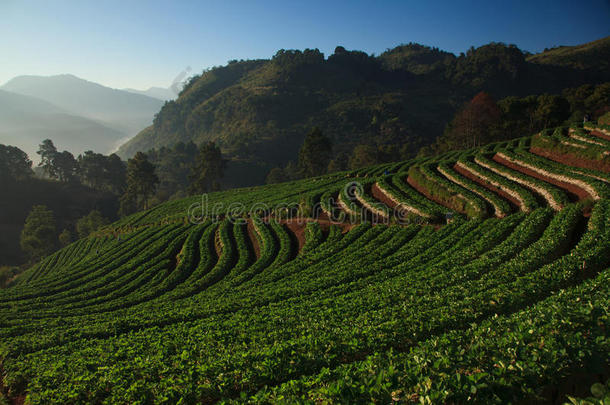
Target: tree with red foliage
<point>472,125</point>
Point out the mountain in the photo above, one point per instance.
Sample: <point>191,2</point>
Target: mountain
<point>160,93</point>
<point>26,121</point>
<point>259,111</point>
<point>120,110</point>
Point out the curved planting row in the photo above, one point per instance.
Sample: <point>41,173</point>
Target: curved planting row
<point>446,192</point>
<point>501,207</point>
<point>398,201</point>
<point>559,175</point>
<point>294,327</point>
<point>555,198</point>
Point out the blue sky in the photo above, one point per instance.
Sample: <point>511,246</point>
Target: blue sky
<point>133,43</point>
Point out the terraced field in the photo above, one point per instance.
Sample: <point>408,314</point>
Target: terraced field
<point>347,288</point>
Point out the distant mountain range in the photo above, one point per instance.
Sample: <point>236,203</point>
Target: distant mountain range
<point>160,93</point>
<point>259,111</point>
<point>76,114</point>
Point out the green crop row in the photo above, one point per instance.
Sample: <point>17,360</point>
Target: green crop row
<point>450,194</point>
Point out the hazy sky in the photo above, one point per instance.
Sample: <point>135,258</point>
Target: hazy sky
<point>133,43</point>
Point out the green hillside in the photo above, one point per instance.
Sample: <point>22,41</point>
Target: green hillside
<point>355,287</point>
<point>259,111</point>
<point>590,56</point>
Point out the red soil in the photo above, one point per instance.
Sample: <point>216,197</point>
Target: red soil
<point>217,243</point>
<point>322,216</point>
<point>254,239</point>
<point>298,230</point>
<point>512,200</point>
<point>381,196</point>
<point>571,160</point>
<point>600,134</point>
<point>572,189</point>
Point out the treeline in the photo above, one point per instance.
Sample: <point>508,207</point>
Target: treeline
<point>68,197</point>
<point>100,172</point>
<point>316,157</point>
<point>482,120</point>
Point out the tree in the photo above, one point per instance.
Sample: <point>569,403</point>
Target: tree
<point>57,165</point>
<point>48,154</point>
<point>276,175</point>
<point>315,154</point>
<point>7,273</point>
<point>339,163</point>
<point>66,166</point>
<point>208,170</point>
<point>38,237</point>
<point>14,163</point>
<point>65,238</point>
<point>552,110</point>
<point>472,125</point>
<point>141,184</point>
<point>91,169</point>
<point>90,223</point>
<point>104,173</point>
<point>115,175</point>
<point>174,166</point>
<point>362,156</point>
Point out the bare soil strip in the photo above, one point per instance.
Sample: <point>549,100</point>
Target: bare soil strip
<point>526,183</point>
<point>373,211</point>
<point>600,134</point>
<point>571,160</point>
<point>381,195</point>
<point>513,201</point>
<point>254,239</point>
<point>574,192</point>
<point>217,243</point>
<point>497,211</point>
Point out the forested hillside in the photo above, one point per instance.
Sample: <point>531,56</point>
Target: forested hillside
<point>259,111</point>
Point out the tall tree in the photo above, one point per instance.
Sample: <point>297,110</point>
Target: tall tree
<point>472,125</point>
<point>174,166</point>
<point>208,170</point>
<point>104,173</point>
<point>115,172</point>
<point>552,110</point>
<point>141,184</point>
<point>39,236</point>
<point>14,163</point>
<point>66,166</point>
<point>315,153</point>
<point>276,175</point>
<point>91,168</point>
<point>48,154</point>
<point>65,238</point>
